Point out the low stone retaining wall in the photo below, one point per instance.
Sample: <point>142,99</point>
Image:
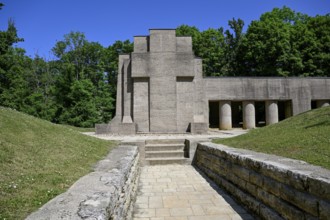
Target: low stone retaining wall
<point>107,193</point>
<point>271,187</point>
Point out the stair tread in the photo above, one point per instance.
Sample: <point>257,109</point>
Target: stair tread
<point>157,145</point>
<point>166,158</point>
<point>166,151</point>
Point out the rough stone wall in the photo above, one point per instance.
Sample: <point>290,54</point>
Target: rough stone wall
<point>106,193</point>
<point>271,187</point>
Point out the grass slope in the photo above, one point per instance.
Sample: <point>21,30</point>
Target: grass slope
<point>39,160</point>
<point>304,137</point>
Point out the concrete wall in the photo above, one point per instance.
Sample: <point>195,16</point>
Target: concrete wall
<point>300,90</point>
<point>185,102</point>
<point>161,89</point>
<point>106,193</point>
<point>175,82</point>
<point>141,104</point>
<point>269,186</point>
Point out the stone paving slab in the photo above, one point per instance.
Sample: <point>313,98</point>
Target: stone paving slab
<point>212,133</point>
<point>175,192</point>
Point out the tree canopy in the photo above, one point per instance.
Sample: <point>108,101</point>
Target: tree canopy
<point>79,86</point>
<point>281,43</point>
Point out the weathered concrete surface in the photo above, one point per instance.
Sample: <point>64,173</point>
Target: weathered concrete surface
<point>301,91</point>
<point>249,115</point>
<point>271,112</point>
<point>270,186</point>
<point>161,88</point>
<point>225,115</point>
<point>106,193</point>
<point>211,134</point>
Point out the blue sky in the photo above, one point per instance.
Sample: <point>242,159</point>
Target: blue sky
<point>43,22</point>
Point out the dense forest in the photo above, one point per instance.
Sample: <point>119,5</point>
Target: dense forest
<point>79,86</point>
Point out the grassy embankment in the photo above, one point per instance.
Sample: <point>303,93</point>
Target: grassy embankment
<point>304,137</point>
<point>39,160</point>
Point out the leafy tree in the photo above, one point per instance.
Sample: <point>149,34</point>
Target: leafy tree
<point>111,58</point>
<point>80,63</point>
<point>13,64</point>
<point>286,43</point>
<point>82,111</point>
<point>41,80</point>
<point>209,45</point>
<point>233,41</point>
<point>185,30</point>
<point>319,58</point>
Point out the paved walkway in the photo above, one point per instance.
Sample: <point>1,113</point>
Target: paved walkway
<point>179,192</point>
<point>212,133</point>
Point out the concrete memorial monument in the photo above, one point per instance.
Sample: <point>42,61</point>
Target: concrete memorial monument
<point>161,89</point>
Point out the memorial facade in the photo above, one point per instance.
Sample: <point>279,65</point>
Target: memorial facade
<point>161,89</point>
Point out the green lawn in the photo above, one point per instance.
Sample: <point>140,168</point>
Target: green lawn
<point>39,160</point>
<point>304,137</point>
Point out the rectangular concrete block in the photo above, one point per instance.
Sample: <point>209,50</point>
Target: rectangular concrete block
<point>162,40</point>
<point>302,200</point>
<point>267,198</point>
<point>241,172</point>
<point>251,188</point>
<point>288,211</point>
<point>256,179</point>
<point>272,186</point>
<point>319,187</point>
<point>267,213</point>
<point>324,210</point>
<point>199,127</point>
<point>141,104</point>
<point>184,44</point>
<point>101,129</point>
<point>141,44</point>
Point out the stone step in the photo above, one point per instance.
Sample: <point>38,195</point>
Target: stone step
<point>164,147</point>
<point>166,161</point>
<point>164,154</point>
<point>165,141</point>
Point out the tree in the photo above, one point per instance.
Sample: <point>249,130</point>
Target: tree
<point>233,41</point>
<point>209,45</point>
<point>82,112</point>
<point>86,68</point>
<point>280,44</point>
<point>13,64</point>
<point>319,58</point>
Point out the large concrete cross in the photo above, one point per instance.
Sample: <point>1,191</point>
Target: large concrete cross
<point>167,67</point>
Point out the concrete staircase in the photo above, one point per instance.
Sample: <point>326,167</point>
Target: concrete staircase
<point>163,152</point>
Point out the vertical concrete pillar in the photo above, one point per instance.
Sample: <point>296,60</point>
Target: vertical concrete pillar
<point>127,92</point>
<point>225,115</point>
<point>271,112</point>
<point>249,115</point>
<point>322,103</point>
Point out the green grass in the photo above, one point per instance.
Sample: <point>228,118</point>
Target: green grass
<point>304,137</point>
<point>39,160</point>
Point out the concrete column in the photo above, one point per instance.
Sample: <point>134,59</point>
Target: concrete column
<point>127,92</point>
<point>322,103</point>
<point>249,115</point>
<point>225,115</point>
<point>271,112</point>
